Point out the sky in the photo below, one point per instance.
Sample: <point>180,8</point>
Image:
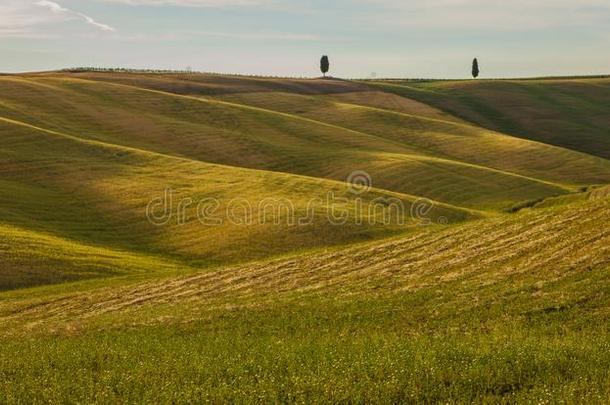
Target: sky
<point>363,38</point>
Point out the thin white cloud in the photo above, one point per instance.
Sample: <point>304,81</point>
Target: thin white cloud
<point>58,9</point>
<point>91,21</point>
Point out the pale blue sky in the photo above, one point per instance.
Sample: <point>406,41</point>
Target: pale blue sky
<point>389,38</point>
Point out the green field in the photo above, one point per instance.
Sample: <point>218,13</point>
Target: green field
<point>474,267</point>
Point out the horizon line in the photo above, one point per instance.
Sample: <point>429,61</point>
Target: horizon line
<point>91,69</point>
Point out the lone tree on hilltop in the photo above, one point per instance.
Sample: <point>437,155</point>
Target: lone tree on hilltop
<point>475,68</point>
<point>324,65</point>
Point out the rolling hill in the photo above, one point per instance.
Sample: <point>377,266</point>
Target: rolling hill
<point>195,237</point>
<point>99,193</point>
<point>571,113</point>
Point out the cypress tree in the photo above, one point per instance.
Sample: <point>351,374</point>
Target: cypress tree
<point>324,65</point>
<point>475,68</point>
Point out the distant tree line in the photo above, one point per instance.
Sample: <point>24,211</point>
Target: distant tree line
<point>87,69</point>
<point>324,68</point>
<point>124,70</point>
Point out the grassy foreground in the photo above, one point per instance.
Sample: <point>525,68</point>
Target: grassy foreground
<point>364,351</point>
<point>517,311</point>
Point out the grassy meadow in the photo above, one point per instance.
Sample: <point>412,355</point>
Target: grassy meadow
<point>491,285</point>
